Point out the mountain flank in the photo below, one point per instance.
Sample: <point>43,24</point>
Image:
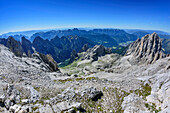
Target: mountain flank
<point>147,49</point>
<point>97,81</point>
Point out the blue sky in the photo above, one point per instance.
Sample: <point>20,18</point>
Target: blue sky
<point>19,15</point>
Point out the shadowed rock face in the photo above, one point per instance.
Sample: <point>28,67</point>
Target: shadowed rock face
<point>166,45</point>
<point>148,49</point>
<point>48,60</point>
<point>84,48</point>
<point>18,48</point>
<point>3,41</point>
<point>14,46</point>
<point>27,46</point>
<point>61,48</point>
<point>73,56</point>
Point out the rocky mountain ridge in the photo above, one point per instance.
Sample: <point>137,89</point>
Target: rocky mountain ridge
<point>97,38</point>
<point>59,48</point>
<point>19,49</point>
<point>148,49</point>
<point>148,69</point>
<point>110,83</point>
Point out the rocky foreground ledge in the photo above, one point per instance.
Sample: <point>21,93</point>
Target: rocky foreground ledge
<point>110,83</point>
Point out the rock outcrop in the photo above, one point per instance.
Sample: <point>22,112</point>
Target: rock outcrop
<point>148,49</point>
<point>27,46</point>
<point>48,59</point>
<point>14,46</point>
<point>17,76</point>
<point>95,52</point>
<point>73,56</point>
<point>84,48</point>
<point>19,49</point>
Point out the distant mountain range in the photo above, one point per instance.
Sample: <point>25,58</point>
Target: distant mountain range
<point>131,31</point>
<point>98,38</point>
<point>62,44</point>
<point>140,34</point>
<point>117,34</point>
<point>120,35</point>
<point>26,33</point>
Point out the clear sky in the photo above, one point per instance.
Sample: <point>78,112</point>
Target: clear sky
<point>19,15</point>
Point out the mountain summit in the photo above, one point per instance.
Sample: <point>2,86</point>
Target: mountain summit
<point>147,49</point>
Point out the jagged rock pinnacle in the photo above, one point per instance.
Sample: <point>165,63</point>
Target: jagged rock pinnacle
<point>147,49</point>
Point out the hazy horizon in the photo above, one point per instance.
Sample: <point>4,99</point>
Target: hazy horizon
<point>86,28</point>
<point>80,28</point>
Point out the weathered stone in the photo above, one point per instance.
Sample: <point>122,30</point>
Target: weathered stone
<point>16,108</point>
<point>133,103</point>
<point>46,109</point>
<point>148,49</point>
<point>34,94</point>
<point>7,103</point>
<point>74,75</point>
<point>2,98</point>
<point>60,107</point>
<point>22,111</point>
<point>52,65</point>
<point>25,101</point>
<point>26,108</point>
<point>94,53</point>
<point>65,106</point>
<point>14,46</point>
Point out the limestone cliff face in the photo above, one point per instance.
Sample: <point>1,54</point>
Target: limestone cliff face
<point>27,46</point>
<point>148,49</point>
<point>18,48</point>
<point>48,59</point>
<point>14,46</point>
<point>95,52</point>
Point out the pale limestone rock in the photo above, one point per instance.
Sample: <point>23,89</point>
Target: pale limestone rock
<point>134,104</point>
<point>148,49</point>
<point>46,109</point>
